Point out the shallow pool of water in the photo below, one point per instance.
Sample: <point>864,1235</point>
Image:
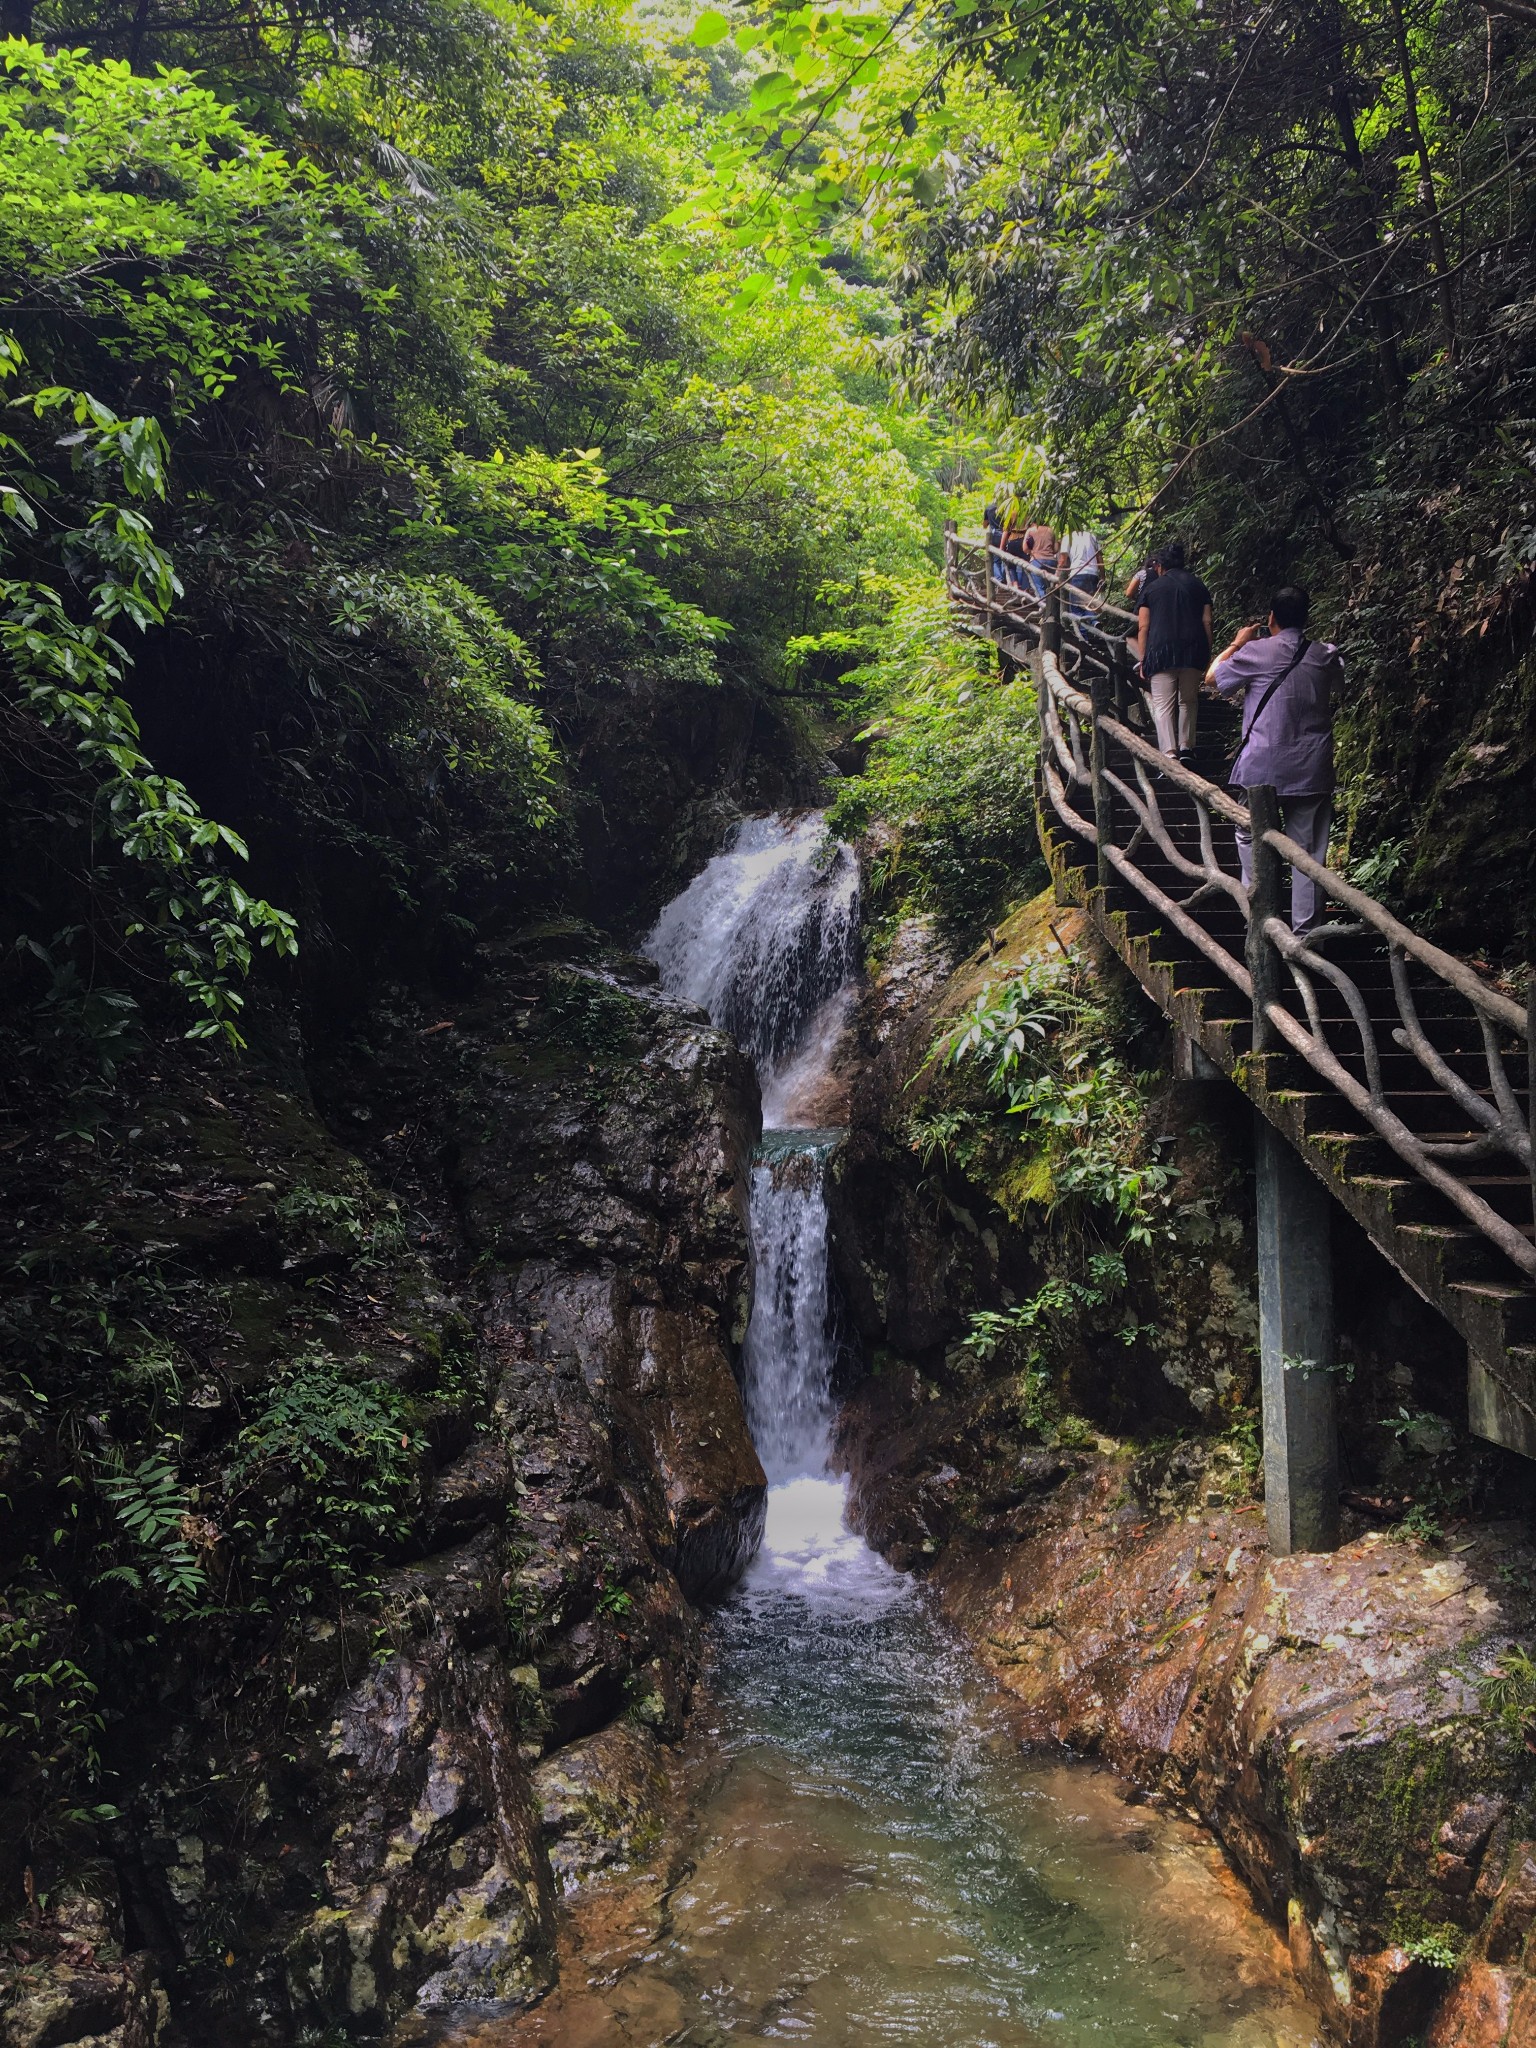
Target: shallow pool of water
<point>875,1859</point>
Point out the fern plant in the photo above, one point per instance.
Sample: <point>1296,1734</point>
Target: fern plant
<point>155,1515</point>
<point>1508,1691</point>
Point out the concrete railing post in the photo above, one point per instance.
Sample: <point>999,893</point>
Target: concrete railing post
<point>1101,691</point>
<point>1296,1349</point>
<point>1296,1329</point>
<point>1264,963</point>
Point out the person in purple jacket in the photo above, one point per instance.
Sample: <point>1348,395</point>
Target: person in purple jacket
<point>1286,683</point>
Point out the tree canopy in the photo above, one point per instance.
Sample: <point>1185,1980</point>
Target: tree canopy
<point>371,434</point>
<point>1258,276</point>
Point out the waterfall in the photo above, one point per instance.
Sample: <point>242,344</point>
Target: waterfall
<point>766,940</point>
<point>788,1355</point>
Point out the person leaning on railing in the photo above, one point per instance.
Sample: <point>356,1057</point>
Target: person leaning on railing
<point>1286,683</point>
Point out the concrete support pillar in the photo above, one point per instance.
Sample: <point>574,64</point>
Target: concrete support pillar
<point>1296,1350</point>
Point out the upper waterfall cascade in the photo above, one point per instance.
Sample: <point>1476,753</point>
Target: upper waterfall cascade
<point>766,939</point>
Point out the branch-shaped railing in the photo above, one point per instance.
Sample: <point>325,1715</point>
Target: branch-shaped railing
<point>1111,788</point>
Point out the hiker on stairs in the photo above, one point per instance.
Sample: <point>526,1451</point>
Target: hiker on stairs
<point>1173,644</point>
<point>1286,684</point>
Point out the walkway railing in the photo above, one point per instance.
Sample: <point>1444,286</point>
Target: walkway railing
<point>1433,1062</point>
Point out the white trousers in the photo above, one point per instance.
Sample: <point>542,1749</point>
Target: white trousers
<point>1307,820</point>
<point>1176,695</point>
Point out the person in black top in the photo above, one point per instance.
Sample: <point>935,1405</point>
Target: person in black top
<point>1173,643</point>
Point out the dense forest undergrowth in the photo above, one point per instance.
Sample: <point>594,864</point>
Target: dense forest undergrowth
<point>456,458</point>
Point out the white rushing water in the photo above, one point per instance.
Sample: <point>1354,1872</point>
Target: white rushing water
<point>766,940</point>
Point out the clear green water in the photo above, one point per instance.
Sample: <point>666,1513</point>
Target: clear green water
<point>875,1859</point>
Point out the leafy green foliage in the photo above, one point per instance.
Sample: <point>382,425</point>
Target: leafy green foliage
<point>1441,1947</point>
<point>50,1712</point>
<point>595,1018</point>
<point>949,782</point>
<point>321,1481</point>
<point>1045,1048</point>
<point>148,211</point>
<point>322,1218</point>
<point>70,674</point>
<point>1509,1689</point>
<point>155,1515</point>
<point>1028,1337</point>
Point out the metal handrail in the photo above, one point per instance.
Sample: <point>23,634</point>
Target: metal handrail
<point>1078,730</point>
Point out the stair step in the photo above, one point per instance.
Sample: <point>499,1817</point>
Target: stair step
<point>1513,1306</point>
<point>1459,1251</point>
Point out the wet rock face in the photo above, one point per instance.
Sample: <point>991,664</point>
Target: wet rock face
<point>1320,1712</point>
<point>601,1801</point>
<point>72,1980</point>
<point>934,1218</point>
<point>517,1236</point>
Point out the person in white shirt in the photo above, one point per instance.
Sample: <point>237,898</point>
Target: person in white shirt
<point>1081,565</point>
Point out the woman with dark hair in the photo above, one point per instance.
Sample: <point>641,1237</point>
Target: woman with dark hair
<point>1017,536</point>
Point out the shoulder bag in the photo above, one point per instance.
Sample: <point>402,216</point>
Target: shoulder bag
<point>1252,725</point>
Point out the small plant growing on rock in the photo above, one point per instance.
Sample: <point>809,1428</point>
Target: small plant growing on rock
<point>1508,1691</point>
<point>345,1223</point>
<point>1440,1947</point>
<point>593,1017</point>
<point>324,1478</point>
<point>155,1514</point>
<point>1031,1330</point>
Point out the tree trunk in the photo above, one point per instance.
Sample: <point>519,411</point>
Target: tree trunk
<point>1426,178</point>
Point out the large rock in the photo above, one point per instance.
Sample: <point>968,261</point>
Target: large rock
<point>522,1226</point>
